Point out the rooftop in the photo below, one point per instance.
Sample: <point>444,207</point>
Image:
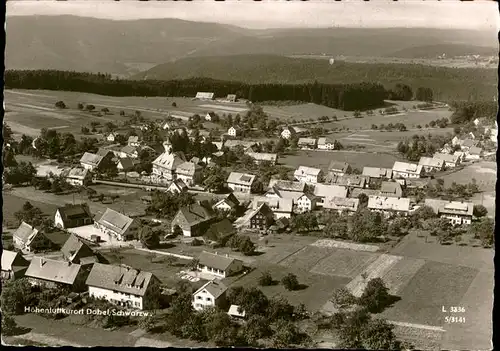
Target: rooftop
<point>52,270</point>
<point>407,167</point>
<point>324,190</point>
<point>337,166</point>
<point>376,172</point>
<point>215,261</point>
<point>214,287</point>
<point>303,170</point>
<point>287,185</point>
<point>241,178</point>
<point>115,221</point>
<point>388,203</point>
<point>341,203</point>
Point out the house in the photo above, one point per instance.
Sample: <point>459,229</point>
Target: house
<point>391,189</point>
<point>14,265</point>
<point>350,180</point>
<point>456,212</point>
<point>406,170</point>
<point>431,164</point>
<point>288,132</point>
<point>111,137</point>
<point>287,185</point>
<point>466,144</point>
<point>125,164</point>
<point>308,175</point>
<point>78,176</point>
<point>218,144</point>
<point>28,239</point>
<point>305,203</point>
<point>165,165</point>
<point>494,133</point>
<point>240,182</point>
<point>188,172</point>
<point>209,116</point>
<point>247,145</point>
<point>322,191</point>
<point>475,153</point>
<point>450,161</point>
<point>356,192</point>
<point>194,219</point>
<point>71,216</point>
<point>231,98</point>
<point>377,173</point>
<point>279,206</point>
<point>234,131</point>
<point>220,232</point>
<point>177,186</point>
<point>228,203</point>
<point>259,218</point>
<point>221,266</point>
<point>129,151</point>
<point>326,143</point>
<point>123,286</point>
<point>53,273</point>
<point>418,183</point>
<point>339,168</point>
<point>260,157</point>
<point>133,141</point>
<point>76,251</point>
<point>117,225</point>
<point>456,141</point>
<point>99,161</point>
<point>341,204</point>
<point>461,156</point>
<point>212,294</point>
<point>477,122</point>
<point>307,143</point>
<point>204,96</point>
<point>387,205</point>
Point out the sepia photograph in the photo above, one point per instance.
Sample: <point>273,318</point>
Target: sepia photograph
<point>273,174</point>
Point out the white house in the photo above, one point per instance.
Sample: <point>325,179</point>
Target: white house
<point>341,204</point>
<point>326,144</point>
<point>209,116</point>
<point>177,186</point>
<point>308,175</point>
<point>78,176</point>
<point>133,141</point>
<point>307,143</point>
<point>474,153</point>
<point>281,207</point>
<point>70,216</point>
<point>388,205</point>
<point>456,212</point>
<point>111,137</point>
<point>240,182</point>
<point>211,294</point>
<point>123,286</point>
<point>450,161</point>
<point>287,132</point>
<point>220,266</point>
<point>322,191</point>
<point>340,169</point>
<point>228,203</point>
<point>234,131</point>
<point>165,165</point>
<point>430,164</point>
<point>204,95</point>
<point>187,172</point>
<point>305,203</point>
<point>406,170</point>
<point>119,226</point>
<point>260,157</point>
<point>28,239</point>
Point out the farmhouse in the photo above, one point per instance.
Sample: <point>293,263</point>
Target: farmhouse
<point>14,265</point>
<point>281,207</point>
<point>240,182</point>
<point>406,170</point>
<point>212,294</point>
<point>234,131</point>
<point>210,116</point>
<point>326,143</point>
<point>123,286</point>
<point>474,153</point>
<point>164,166</point>
<point>305,203</point>
<point>76,251</point>
<point>339,168</point>
<point>247,145</point>
<point>119,226</point>
<point>450,161</point>
<point>52,273</point>
<point>341,204</point>
<point>177,186</point>
<point>71,216</point>
<point>228,203</point>
<point>431,164</point>
<point>308,175</point>
<point>133,141</point>
<point>194,219</point>
<point>260,157</point>
<point>78,176</point>
<point>259,218</point>
<point>99,161</point>
<point>231,98</point>
<point>377,173</point>
<point>322,191</point>
<point>28,239</point>
<point>307,143</point>
<point>391,189</point>
<point>204,96</point>
<point>188,172</point>
<point>456,212</point>
<point>219,265</point>
<point>129,151</point>
<point>350,180</point>
<point>220,232</point>
<point>288,132</point>
<point>111,137</point>
<point>388,205</point>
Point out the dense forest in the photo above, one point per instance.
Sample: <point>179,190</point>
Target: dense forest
<point>359,96</point>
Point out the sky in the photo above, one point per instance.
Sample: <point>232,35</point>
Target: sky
<point>480,14</point>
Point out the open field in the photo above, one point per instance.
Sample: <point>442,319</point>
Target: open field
<point>401,273</point>
<point>435,285</point>
<point>306,258</point>
<point>12,204</point>
<point>344,263</point>
<point>484,172</point>
<point>345,245</point>
<point>304,112</point>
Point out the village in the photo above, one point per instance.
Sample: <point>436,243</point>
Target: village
<point>232,209</point>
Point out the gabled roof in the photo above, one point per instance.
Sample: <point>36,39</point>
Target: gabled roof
<point>350,180</point>
<point>103,152</point>
<point>77,173</point>
<point>326,140</point>
<point>24,232</point>
<point>324,190</point>
<point>430,162</point>
<point>129,149</point>
<point>306,141</point>
<point>341,203</point>
<point>303,170</point>
<point>287,185</point>
<point>126,162</point>
<point>133,139</point>
<point>215,261</point>
<point>284,194</point>
<point>450,207</point>
<point>355,192</point>
<point>388,203</point>
<point>115,221</point>
<point>376,172</point>
<point>72,246</point>
<point>263,156</point>
<point>69,212</point>
<point>280,205</point>
<point>407,167</point>
<point>52,270</point>
<point>214,288</point>
<point>446,157</point>
<point>178,184</point>
<point>91,159</point>
<point>11,259</point>
<point>392,188</point>
<point>169,161</point>
<point>241,178</point>
<point>118,278</point>
<point>196,213</point>
<point>187,168</point>
<point>469,143</point>
<point>233,143</point>
<point>237,128</point>
<point>337,166</point>
<point>220,230</point>
<point>475,150</point>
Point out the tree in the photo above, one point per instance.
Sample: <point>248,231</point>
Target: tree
<point>149,237</point>
<point>424,94</point>
<point>484,229</point>
<point>375,296</point>
<point>8,158</point>
<point>285,335</point>
<point>265,279</point>
<point>147,322</point>
<point>256,327</point>
<point>246,246</point>
<point>14,296</point>
<point>80,106</point>
<point>357,114</point>
<point>221,329</point>
<point>215,179</point>
<point>350,327</point>
<point>9,325</point>
<point>480,211</point>
<point>257,186</point>
<point>342,298</point>
<point>181,311</point>
<point>60,104</point>
<point>90,108</point>
<point>122,113</point>
<point>279,308</point>
<point>379,335</point>
<point>252,300</point>
<point>290,282</point>
<point>174,104</point>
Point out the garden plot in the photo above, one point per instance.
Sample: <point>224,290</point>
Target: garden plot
<point>375,270</point>
<point>401,273</point>
<point>223,107</point>
<point>306,258</point>
<point>343,245</point>
<point>280,252</point>
<point>344,263</point>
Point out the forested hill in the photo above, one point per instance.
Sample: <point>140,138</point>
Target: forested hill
<point>447,83</point>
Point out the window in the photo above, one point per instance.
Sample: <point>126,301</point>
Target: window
<point>198,305</point>
<point>198,297</point>
<point>209,299</point>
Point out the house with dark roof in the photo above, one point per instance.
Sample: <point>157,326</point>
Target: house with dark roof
<point>337,168</point>
<point>71,216</point>
<point>350,180</point>
<point>212,294</point>
<point>53,273</point>
<point>99,161</point>
<point>220,266</point>
<point>194,219</point>
<point>129,151</point>
<point>228,203</point>
<point>220,232</point>
<point>391,189</point>
<point>125,164</point>
<point>261,218</point>
<point>14,265</point>
<point>177,186</point>
<point>119,226</point>
<point>75,250</point>
<point>29,239</point>
<point>123,286</point>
